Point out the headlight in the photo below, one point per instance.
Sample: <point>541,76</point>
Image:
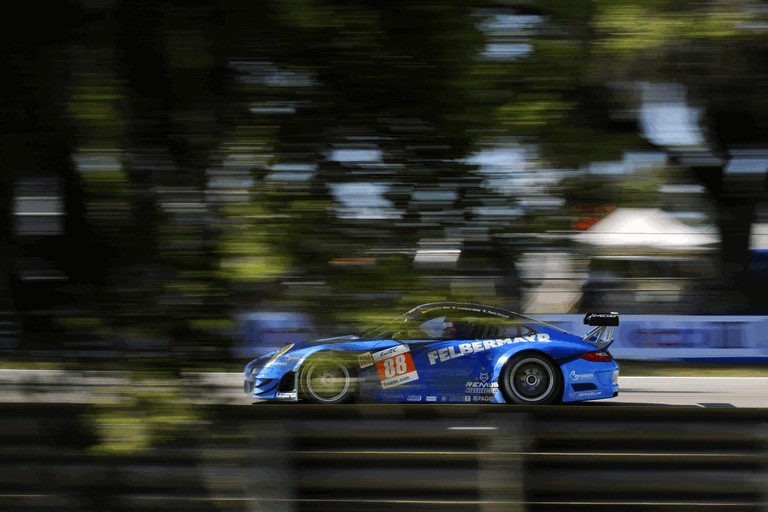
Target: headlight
<point>279,353</point>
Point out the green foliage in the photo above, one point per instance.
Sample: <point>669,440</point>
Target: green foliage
<point>151,413</point>
<point>629,27</point>
<point>533,113</point>
<point>188,113</point>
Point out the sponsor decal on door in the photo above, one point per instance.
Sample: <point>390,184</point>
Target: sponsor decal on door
<point>395,366</point>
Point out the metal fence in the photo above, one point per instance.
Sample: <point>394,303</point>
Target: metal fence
<point>387,457</point>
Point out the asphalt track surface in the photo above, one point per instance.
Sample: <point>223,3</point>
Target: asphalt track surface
<point>55,386</point>
<point>691,391</point>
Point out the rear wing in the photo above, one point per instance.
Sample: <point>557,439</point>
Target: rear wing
<point>604,325</point>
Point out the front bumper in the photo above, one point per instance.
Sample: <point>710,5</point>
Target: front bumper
<point>267,379</point>
<point>280,389</point>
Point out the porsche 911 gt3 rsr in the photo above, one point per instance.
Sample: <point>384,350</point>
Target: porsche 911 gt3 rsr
<point>445,352</point>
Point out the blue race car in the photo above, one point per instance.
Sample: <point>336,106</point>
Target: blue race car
<point>449,353</point>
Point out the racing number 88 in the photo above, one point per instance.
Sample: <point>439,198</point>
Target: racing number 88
<point>395,366</point>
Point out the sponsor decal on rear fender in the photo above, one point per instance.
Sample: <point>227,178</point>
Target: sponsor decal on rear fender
<point>586,394</point>
<point>481,387</point>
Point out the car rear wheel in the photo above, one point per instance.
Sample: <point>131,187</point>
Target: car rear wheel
<point>326,380</point>
<point>531,379</point>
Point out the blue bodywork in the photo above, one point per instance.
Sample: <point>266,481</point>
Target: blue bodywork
<point>456,370</point>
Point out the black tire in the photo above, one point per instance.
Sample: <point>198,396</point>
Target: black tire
<point>327,380</point>
<point>531,379</point>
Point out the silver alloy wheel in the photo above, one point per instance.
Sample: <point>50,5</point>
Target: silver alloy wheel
<point>531,380</point>
<point>327,381</point>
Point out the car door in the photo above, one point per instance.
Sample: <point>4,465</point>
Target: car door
<point>446,359</point>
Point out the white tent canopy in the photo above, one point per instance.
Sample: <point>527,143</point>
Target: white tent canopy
<point>646,228</point>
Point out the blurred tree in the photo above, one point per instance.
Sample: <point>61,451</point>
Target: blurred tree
<point>152,100</point>
<point>36,166</point>
<point>382,100</point>
<point>716,51</point>
<point>242,155</point>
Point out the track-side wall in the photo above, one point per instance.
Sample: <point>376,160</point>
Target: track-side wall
<point>417,458</point>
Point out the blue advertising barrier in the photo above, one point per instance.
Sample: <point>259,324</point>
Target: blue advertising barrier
<point>682,337</point>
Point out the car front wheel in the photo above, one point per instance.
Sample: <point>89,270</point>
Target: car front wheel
<point>531,379</point>
<point>325,380</point>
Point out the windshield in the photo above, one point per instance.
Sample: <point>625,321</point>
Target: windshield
<point>385,330</point>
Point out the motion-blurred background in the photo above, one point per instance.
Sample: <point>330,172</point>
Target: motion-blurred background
<point>170,165</point>
<point>185,183</point>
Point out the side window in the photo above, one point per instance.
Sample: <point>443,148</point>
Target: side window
<point>443,328</point>
<point>486,331</point>
<point>514,331</point>
<point>455,326</point>
<point>434,327</point>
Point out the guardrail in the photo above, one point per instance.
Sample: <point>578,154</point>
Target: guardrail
<point>395,457</point>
